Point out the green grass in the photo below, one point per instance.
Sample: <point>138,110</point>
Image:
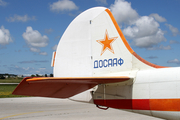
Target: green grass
<point>6,91</point>
<point>11,80</point>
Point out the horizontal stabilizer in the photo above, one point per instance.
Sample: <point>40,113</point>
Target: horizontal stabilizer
<point>64,87</point>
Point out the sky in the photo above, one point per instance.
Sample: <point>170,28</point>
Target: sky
<point>30,30</point>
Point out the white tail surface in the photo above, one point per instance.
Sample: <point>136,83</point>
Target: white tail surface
<point>93,45</point>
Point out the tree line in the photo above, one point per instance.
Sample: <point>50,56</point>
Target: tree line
<point>46,75</point>
<point>6,75</point>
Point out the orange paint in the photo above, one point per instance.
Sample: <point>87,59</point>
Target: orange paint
<point>107,43</point>
<point>165,104</point>
<point>54,58</point>
<point>146,62</point>
<point>82,79</point>
<point>141,104</point>
<point>126,43</point>
<point>119,31</point>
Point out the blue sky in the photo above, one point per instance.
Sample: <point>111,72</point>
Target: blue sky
<point>31,29</point>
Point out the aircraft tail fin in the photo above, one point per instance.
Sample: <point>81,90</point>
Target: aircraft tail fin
<point>94,45</point>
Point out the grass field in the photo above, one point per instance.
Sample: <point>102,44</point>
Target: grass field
<point>6,91</point>
<point>11,80</point>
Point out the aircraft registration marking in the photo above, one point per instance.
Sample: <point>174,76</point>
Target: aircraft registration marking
<point>108,63</point>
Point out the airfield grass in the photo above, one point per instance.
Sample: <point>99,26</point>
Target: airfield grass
<point>6,91</point>
<point>11,80</point>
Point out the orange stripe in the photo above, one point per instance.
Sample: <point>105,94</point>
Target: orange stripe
<point>78,78</point>
<point>165,104</point>
<point>146,62</point>
<point>141,104</point>
<point>126,43</point>
<point>119,31</point>
<point>54,58</point>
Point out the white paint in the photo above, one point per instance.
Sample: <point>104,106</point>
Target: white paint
<point>157,84</point>
<point>78,49</point>
<point>85,96</point>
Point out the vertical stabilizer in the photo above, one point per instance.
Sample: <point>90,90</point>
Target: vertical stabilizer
<point>94,45</point>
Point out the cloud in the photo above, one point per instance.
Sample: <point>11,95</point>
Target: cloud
<point>43,53</point>
<point>34,61</point>
<point>5,36</point>
<point>18,18</point>
<point>152,57</point>
<point>144,26</point>
<point>173,42</point>
<point>34,49</point>
<point>2,3</point>
<point>174,30</point>
<point>144,31</point>
<point>18,50</point>
<point>174,61</point>
<point>57,37</point>
<point>43,71</point>
<point>48,31</point>
<point>54,47</point>
<point>149,41</point>
<point>63,5</point>
<point>20,69</point>
<point>34,39</point>
<point>161,47</point>
<point>102,2</point>
<point>157,17</point>
<point>27,70</point>
<point>42,68</point>
<point>123,12</point>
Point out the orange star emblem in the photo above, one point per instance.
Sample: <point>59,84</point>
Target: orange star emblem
<point>107,43</point>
